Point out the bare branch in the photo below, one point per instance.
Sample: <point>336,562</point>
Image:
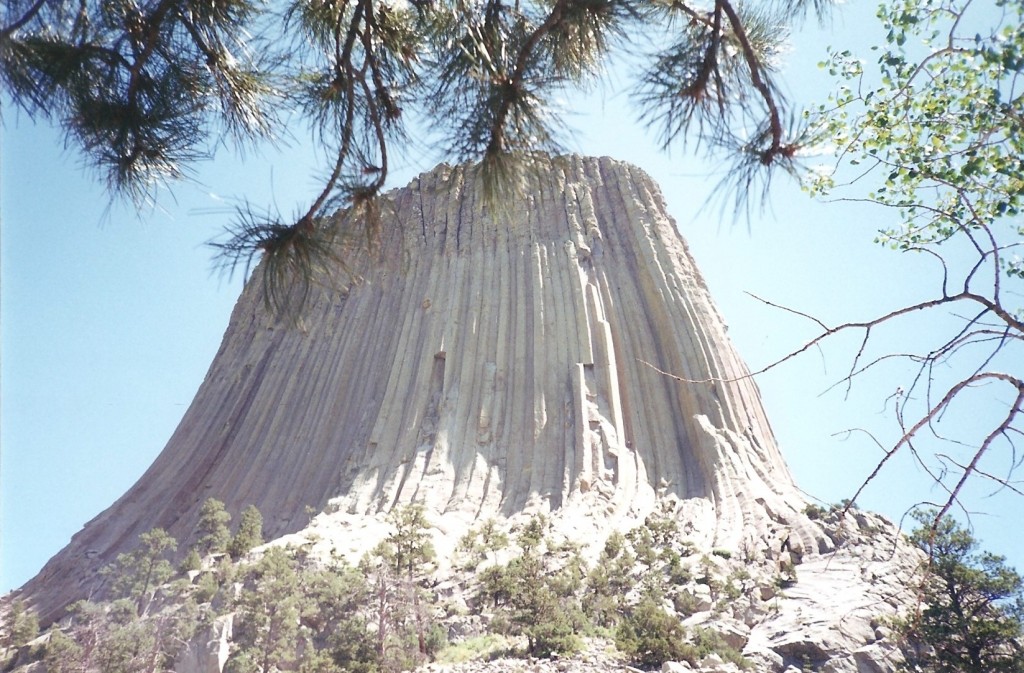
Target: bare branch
<point>999,431</point>
<point>1002,481</point>
<point>827,332</point>
<point>951,394</point>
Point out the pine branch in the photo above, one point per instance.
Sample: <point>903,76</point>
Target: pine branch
<point>32,12</point>
<point>757,80</point>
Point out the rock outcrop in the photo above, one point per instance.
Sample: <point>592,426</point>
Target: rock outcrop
<point>486,364</point>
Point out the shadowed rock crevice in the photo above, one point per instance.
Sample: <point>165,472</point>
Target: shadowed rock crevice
<point>485,364</point>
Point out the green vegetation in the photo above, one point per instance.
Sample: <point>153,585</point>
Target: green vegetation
<point>973,615</point>
<point>191,562</point>
<point>535,595</point>
<point>289,613</point>
<point>144,626</point>
<point>532,593</point>
<point>398,571</point>
<point>23,626</point>
<point>658,547</point>
<point>815,512</point>
<point>249,535</point>
<point>651,636</point>
<point>609,582</point>
<point>212,532</point>
<point>476,544</point>
<point>485,647</point>
<point>707,641</point>
<point>140,574</point>
<point>929,127</point>
<point>266,627</point>
<point>542,593</point>
<point>408,549</point>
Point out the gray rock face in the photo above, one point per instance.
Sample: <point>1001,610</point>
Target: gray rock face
<point>208,651</point>
<point>486,364</point>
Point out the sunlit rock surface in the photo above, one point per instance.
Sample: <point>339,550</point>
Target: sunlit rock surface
<point>487,364</point>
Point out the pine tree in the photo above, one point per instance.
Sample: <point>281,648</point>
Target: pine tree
<point>335,616</point>
<point>651,636</point>
<point>64,654</point>
<point>21,627</point>
<point>973,617</point>
<point>267,615</point>
<point>536,595</point>
<point>137,575</point>
<point>409,545</point>
<point>398,569</point>
<point>212,530</point>
<point>192,562</point>
<point>249,534</point>
<point>609,582</point>
<point>134,631</point>
<point>126,642</point>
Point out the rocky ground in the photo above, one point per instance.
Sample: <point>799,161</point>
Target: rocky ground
<point>827,609</point>
<point>599,655</point>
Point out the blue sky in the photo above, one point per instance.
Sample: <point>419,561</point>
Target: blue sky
<point>110,318</point>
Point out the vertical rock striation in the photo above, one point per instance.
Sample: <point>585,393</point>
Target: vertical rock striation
<point>482,363</point>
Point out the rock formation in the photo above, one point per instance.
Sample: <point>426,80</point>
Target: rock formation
<point>486,364</point>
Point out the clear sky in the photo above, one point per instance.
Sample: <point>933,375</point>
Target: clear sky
<point>110,319</point>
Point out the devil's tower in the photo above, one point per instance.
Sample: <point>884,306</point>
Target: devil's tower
<point>483,364</point>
